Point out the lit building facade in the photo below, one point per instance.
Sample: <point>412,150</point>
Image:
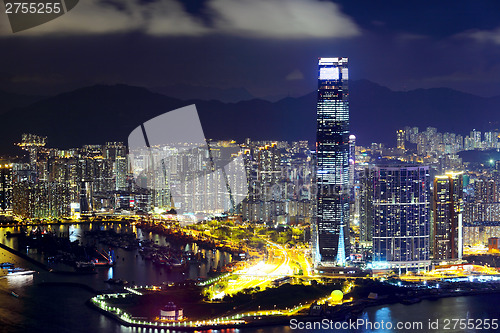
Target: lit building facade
<point>116,154</point>
<point>332,151</point>
<point>365,203</point>
<point>171,312</point>
<point>279,175</point>
<point>447,208</point>
<point>5,186</point>
<point>485,190</point>
<point>41,200</point>
<point>400,142</point>
<point>477,233</point>
<point>401,216</point>
<point>352,164</point>
<point>483,206</point>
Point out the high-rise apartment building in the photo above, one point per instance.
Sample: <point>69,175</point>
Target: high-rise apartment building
<point>279,175</point>
<point>485,190</point>
<point>116,154</point>
<point>447,207</point>
<point>41,200</point>
<point>475,138</point>
<point>400,136</point>
<point>32,144</point>
<point>401,216</point>
<point>365,201</point>
<point>5,186</point>
<point>332,150</point>
<point>352,163</point>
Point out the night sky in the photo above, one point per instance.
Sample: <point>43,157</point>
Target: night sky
<point>269,47</point>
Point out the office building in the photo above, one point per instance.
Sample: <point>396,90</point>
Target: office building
<point>332,151</point>
<point>401,216</point>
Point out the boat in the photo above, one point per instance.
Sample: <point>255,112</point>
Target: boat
<point>5,265</point>
<point>103,263</point>
<point>178,264</point>
<point>19,271</point>
<point>118,282</point>
<point>86,266</point>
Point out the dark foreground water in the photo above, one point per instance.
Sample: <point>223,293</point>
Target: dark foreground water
<point>42,308</point>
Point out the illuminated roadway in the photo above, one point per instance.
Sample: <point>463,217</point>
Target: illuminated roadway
<point>280,262</point>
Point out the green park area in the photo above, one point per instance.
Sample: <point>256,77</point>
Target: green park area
<point>197,307</point>
<point>253,235</point>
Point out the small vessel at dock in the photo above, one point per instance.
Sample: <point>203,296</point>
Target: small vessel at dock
<point>84,266</point>
<point>5,265</point>
<point>19,271</point>
<point>118,282</point>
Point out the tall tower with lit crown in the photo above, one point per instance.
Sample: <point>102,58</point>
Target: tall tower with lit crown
<point>332,149</point>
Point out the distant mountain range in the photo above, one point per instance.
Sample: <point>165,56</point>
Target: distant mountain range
<point>188,92</point>
<point>8,101</point>
<point>100,113</point>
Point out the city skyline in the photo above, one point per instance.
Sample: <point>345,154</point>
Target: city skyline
<point>383,224</point>
<point>333,125</point>
<point>256,165</point>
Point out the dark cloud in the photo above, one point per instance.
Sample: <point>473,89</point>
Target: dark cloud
<point>268,47</point>
<point>256,18</point>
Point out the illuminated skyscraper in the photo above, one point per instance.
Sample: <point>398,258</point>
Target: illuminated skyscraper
<point>400,135</point>
<point>401,219</point>
<point>116,154</point>
<point>39,200</point>
<point>32,144</point>
<point>5,186</point>
<point>447,228</point>
<point>352,163</point>
<point>365,202</point>
<point>485,190</point>
<point>332,148</point>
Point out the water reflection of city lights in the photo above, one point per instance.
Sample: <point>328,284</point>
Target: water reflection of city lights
<point>18,281</point>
